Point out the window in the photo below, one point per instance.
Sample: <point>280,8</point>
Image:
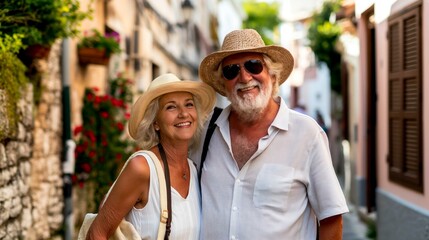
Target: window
<point>405,99</point>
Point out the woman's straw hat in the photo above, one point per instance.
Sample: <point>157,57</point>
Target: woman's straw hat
<point>238,41</point>
<point>168,83</point>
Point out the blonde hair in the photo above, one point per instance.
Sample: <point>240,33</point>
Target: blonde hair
<point>147,136</point>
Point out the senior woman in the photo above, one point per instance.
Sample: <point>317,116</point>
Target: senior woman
<point>168,117</point>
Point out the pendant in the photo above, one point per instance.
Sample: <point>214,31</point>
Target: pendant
<point>184,176</point>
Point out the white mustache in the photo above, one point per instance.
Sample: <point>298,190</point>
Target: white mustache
<point>250,84</point>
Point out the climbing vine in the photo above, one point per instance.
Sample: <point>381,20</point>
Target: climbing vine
<point>323,35</point>
<point>12,78</point>
<point>101,146</point>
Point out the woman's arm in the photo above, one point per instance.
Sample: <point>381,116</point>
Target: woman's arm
<point>132,184</point>
<point>331,228</point>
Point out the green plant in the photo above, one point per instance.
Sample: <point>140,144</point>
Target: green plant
<point>372,230</point>
<point>12,77</point>
<point>323,35</point>
<point>41,21</point>
<point>101,143</point>
<point>109,42</point>
<point>263,17</point>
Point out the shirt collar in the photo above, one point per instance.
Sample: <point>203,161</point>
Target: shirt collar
<point>281,121</point>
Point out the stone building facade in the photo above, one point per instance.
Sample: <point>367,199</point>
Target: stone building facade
<point>156,39</point>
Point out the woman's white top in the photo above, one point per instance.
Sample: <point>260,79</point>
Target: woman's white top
<point>186,211</point>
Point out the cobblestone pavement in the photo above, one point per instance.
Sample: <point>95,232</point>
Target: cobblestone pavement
<point>353,228</point>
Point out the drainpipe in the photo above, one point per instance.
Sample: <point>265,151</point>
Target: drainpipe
<point>68,143</point>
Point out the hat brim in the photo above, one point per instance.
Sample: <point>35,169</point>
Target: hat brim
<point>210,64</point>
<point>205,96</point>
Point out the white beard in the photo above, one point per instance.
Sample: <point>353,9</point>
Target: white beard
<point>250,108</point>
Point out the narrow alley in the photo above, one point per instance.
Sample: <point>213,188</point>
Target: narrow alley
<point>353,227</point>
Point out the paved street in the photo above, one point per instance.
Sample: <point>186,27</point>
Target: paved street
<point>353,228</point>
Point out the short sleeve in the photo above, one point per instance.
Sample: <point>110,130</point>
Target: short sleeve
<point>324,191</point>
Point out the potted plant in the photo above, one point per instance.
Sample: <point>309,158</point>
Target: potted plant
<point>96,48</point>
<point>41,22</point>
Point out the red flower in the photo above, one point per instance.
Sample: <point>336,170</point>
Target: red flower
<point>97,100</point>
<point>120,126</point>
<point>74,178</point>
<point>80,148</point>
<point>92,154</point>
<point>117,102</point>
<point>86,167</point>
<point>127,115</point>
<point>90,135</point>
<point>77,130</point>
<point>90,96</point>
<point>104,114</point>
<point>121,103</point>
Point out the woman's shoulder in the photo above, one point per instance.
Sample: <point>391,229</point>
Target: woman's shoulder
<point>138,165</point>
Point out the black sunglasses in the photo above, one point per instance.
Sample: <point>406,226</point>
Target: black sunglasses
<point>252,66</point>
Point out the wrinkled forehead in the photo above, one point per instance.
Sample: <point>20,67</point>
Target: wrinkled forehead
<point>241,57</point>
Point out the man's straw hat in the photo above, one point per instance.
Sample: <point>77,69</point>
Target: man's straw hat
<point>168,83</point>
<point>238,41</point>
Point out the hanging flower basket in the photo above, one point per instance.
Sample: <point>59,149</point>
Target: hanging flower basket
<point>93,56</point>
<point>96,48</point>
<point>37,51</point>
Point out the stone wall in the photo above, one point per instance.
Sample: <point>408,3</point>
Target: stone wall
<point>15,168</point>
<point>31,197</point>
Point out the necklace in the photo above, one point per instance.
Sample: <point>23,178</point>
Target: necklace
<point>185,174</point>
<point>164,157</point>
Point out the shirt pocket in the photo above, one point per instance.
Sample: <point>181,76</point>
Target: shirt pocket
<point>272,186</point>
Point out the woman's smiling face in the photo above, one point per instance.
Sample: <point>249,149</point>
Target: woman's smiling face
<point>177,116</point>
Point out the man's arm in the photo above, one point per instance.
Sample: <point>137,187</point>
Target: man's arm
<point>331,228</point>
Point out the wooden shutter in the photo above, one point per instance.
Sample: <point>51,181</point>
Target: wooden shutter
<point>405,99</point>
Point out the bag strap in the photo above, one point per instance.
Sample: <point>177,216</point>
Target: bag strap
<point>163,193</point>
<point>210,131</point>
<point>167,181</point>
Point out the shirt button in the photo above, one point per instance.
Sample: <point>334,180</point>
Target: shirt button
<point>234,209</point>
<point>237,181</point>
<point>233,237</point>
